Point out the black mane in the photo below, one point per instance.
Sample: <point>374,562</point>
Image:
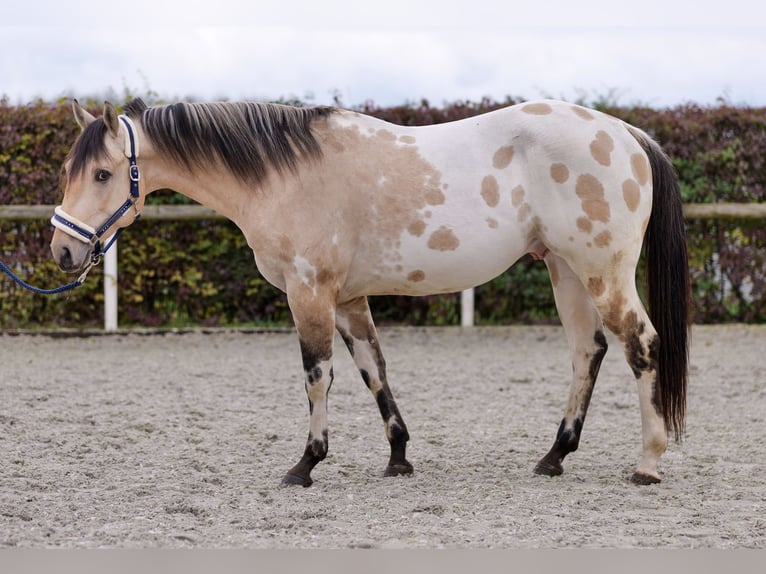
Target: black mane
<point>245,137</point>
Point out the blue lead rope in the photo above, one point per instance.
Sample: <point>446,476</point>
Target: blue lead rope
<point>95,259</point>
<point>67,287</point>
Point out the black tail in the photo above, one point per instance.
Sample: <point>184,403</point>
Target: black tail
<point>669,291</point>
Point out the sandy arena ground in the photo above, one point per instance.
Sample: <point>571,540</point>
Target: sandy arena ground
<point>180,440</point>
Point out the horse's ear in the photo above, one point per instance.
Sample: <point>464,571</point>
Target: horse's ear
<point>111,120</point>
<point>81,115</point>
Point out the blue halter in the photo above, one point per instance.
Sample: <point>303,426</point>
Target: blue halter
<point>87,234</point>
<point>84,232</point>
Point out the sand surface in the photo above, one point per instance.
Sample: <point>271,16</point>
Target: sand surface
<point>181,439</point>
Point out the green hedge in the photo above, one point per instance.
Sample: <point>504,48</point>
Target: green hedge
<point>202,272</point>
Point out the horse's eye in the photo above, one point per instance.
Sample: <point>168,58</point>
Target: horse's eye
<point>103,175</point>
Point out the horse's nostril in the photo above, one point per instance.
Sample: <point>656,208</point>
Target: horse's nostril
<point>65,261</point>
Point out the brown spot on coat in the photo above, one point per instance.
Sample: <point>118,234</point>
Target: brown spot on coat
<point>517,196</point>
<point>601,148</point>
<point>502,157</point>
<point>559,172</point>
<point>603,239</point>
<point>613,317</point>
<point>286,252</point>
<point>407,139</point>
<point>390,198</point>
<point>590,190</point>
<point>416,276</point>
<point>334,144</point>
<point>443,239</point>
<point>326,277</point>
<point>627,332</point>
<point>596,286</point>
<point>631,192</point>
<point>359,324</point>
<point>584,224</point>
<point>640,168</point>
<point>434,196</point>
<point>386,135</point>
<point>492,223</point>
<point>417,228</point>
<point>538,109</point>
<point>583,113</point>
<point>490,191</point>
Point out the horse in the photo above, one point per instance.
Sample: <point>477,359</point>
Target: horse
<point>338,206</point>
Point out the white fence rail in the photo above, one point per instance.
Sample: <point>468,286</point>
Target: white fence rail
<point>181,212</point>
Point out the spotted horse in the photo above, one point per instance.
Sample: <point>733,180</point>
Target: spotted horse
<point>338,206</point>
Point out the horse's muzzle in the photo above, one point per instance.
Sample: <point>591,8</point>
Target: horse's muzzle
<point>71,257</point>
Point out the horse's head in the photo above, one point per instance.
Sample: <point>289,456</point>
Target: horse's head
<point>100,179</point>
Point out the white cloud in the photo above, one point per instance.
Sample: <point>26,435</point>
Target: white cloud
<point>401,50</point>
<point>138,15</point>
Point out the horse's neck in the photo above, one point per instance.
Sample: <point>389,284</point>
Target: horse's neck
<point>213,188</point>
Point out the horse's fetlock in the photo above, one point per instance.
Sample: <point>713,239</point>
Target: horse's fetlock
<point>317,447</point>
<point>568,439</point>
<point>397,433</point>
<point>657,444</point>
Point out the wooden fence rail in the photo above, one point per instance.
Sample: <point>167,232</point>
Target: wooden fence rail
<point>189,212</point>
<point>176,212</point>
<point>161,212</point>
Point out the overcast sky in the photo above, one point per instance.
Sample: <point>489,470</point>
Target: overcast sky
<point>656,52</point>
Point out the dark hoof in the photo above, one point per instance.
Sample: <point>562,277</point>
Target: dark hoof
<point>547,468</point>
<point>398,469</point>
<point>643,479</point>
<point>295,480</point>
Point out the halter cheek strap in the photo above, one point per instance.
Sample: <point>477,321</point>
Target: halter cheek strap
<point>87,234</point>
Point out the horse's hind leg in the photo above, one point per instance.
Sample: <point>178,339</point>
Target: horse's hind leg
<point>587,344</point>
<point>355,325</point>
<point>617,300</point>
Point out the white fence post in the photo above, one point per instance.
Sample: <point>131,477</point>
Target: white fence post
<point>466,308</point>
<point>110,288</point>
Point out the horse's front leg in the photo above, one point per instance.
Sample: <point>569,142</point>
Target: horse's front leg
<point>355,325</point>
<point>314,317</point>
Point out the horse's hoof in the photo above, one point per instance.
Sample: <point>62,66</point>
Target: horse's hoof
<point>546,468</point>
<point>295,480</point>
<point>643,479</point>
<point>398,469</point>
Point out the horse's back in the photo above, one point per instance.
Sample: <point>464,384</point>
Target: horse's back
<point>444,207</point>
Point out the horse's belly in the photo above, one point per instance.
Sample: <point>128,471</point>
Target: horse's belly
<point>442,261</point>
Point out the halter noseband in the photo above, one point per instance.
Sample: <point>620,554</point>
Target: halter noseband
<point>87,234</point>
